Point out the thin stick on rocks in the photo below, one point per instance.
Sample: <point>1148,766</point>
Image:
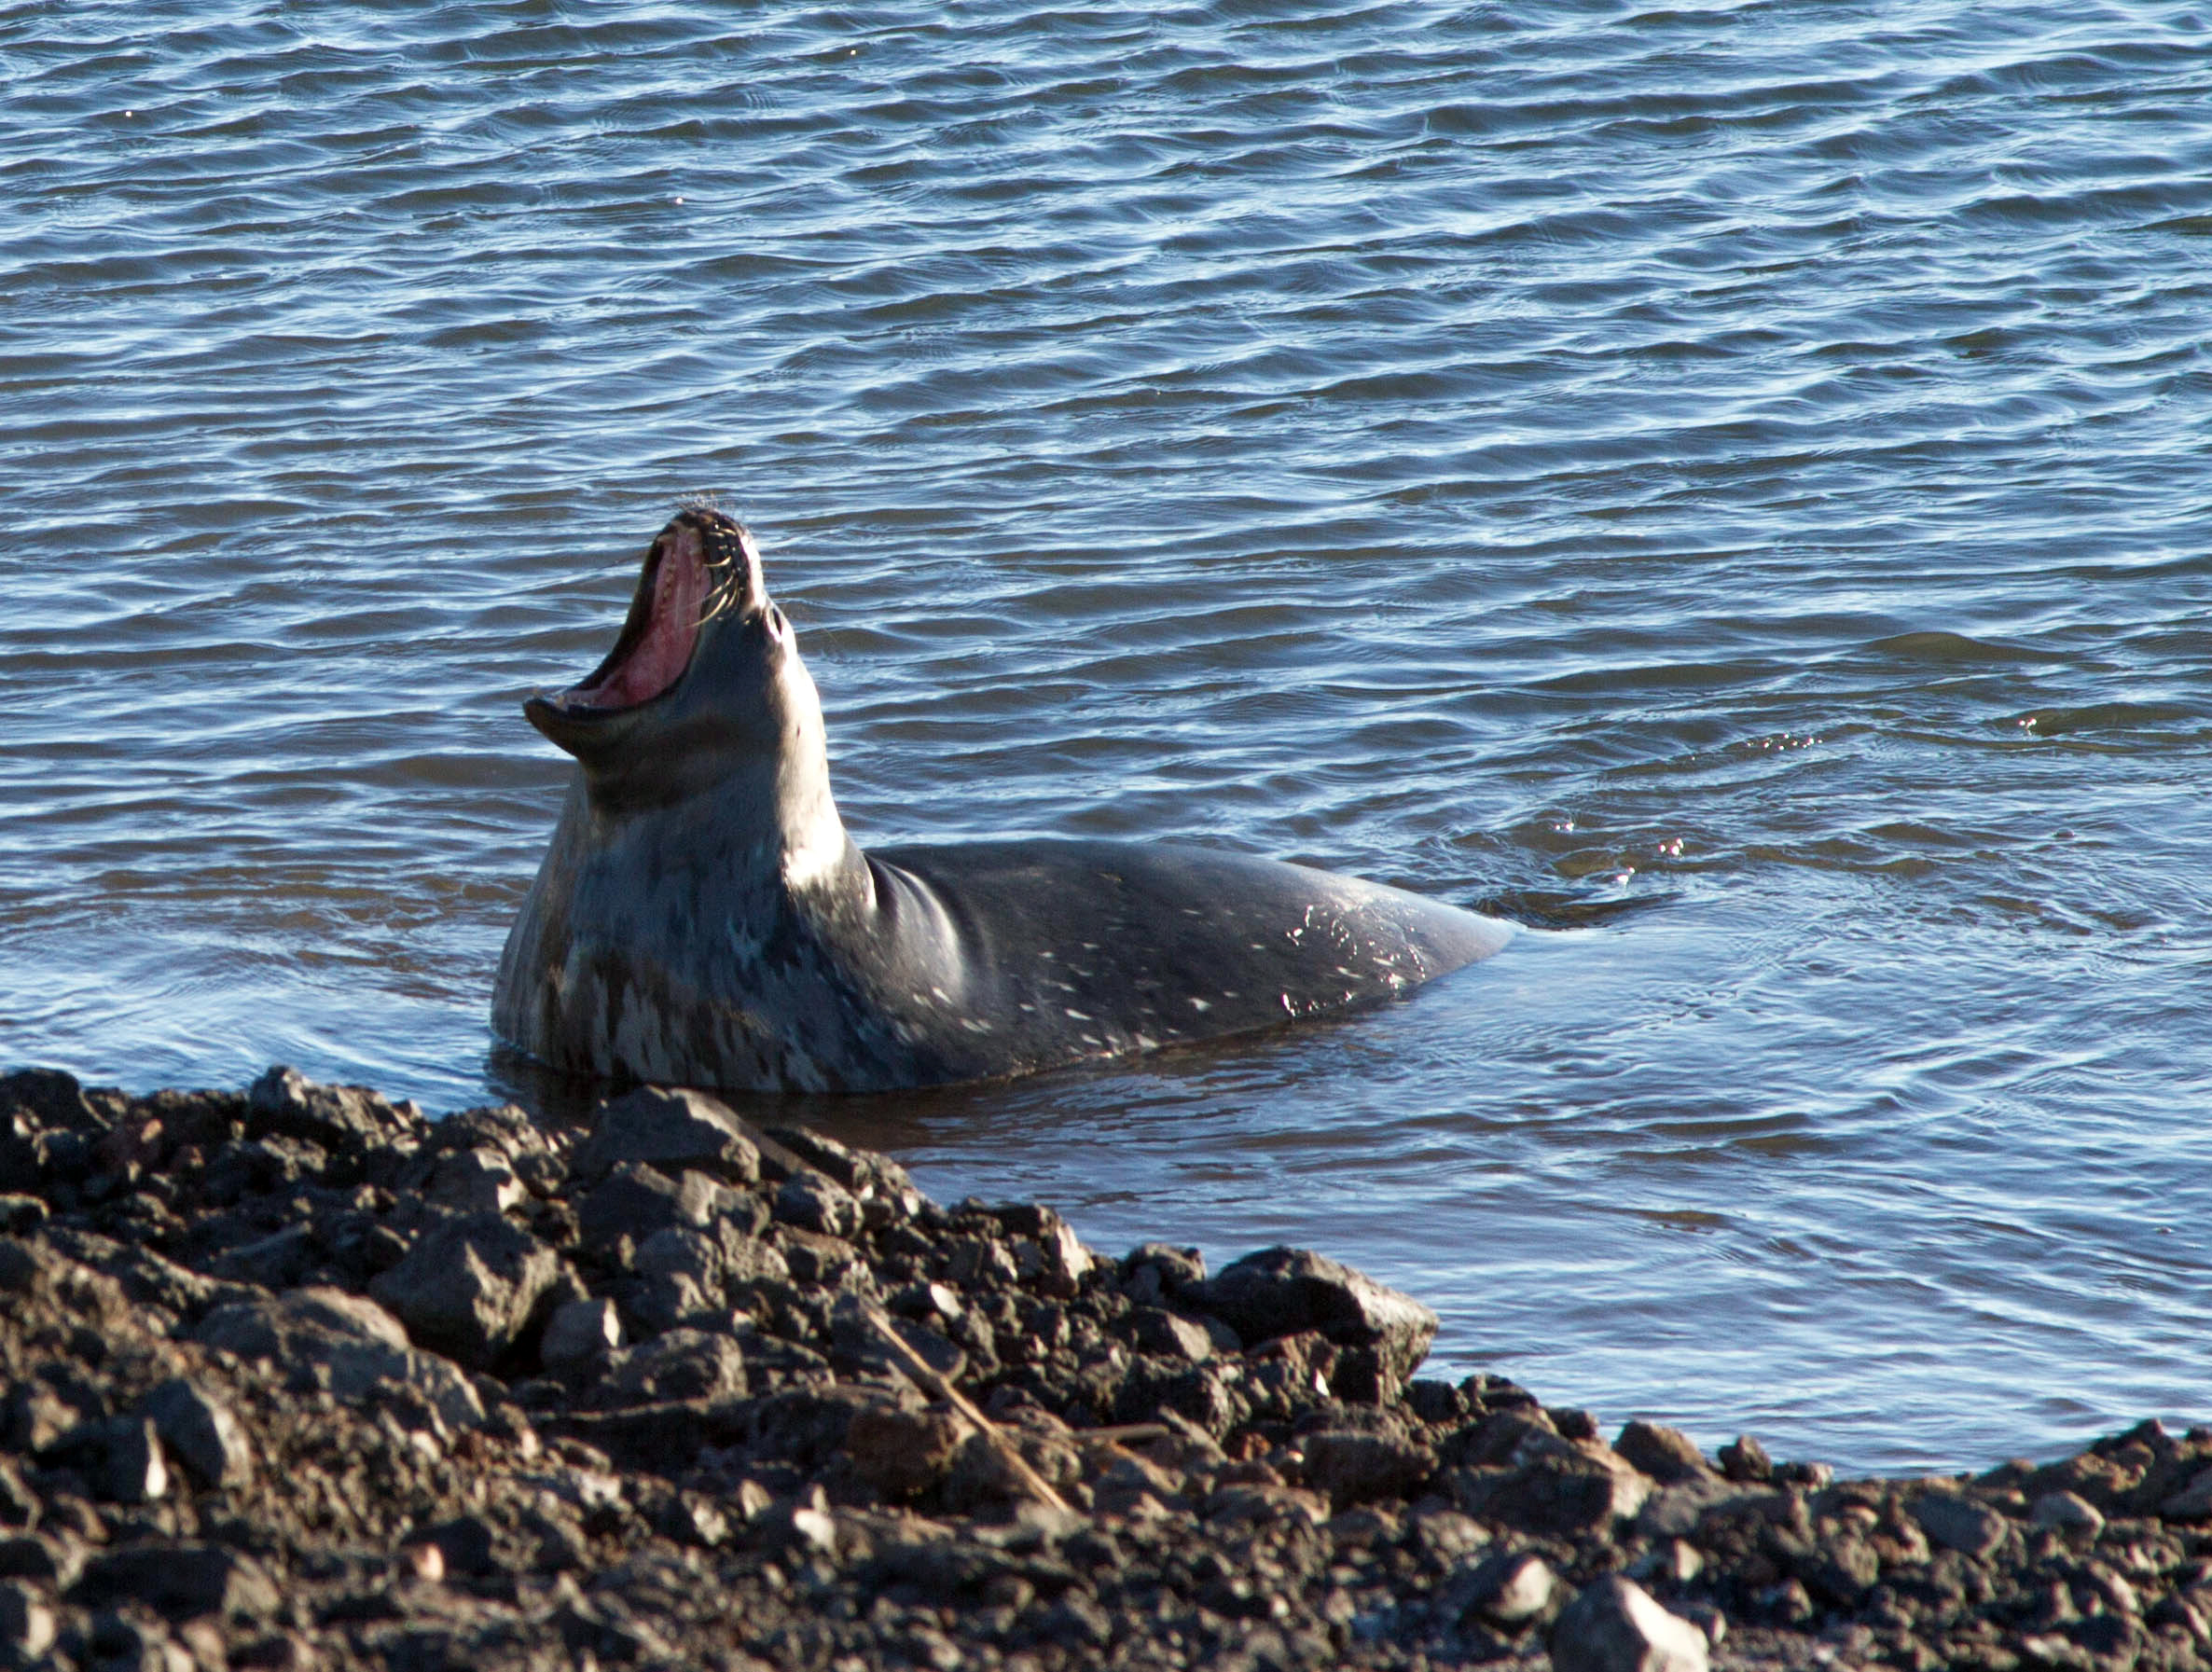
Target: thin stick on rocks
<point>919,1369</point>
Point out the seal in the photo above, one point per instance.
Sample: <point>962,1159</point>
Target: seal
<point>702,917</point>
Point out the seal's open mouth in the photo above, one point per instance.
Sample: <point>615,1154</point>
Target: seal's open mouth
<point>701,565</point>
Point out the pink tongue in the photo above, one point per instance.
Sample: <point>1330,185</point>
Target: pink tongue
<point>658,661</point>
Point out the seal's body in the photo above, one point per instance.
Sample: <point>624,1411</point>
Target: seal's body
<point>703,919</point>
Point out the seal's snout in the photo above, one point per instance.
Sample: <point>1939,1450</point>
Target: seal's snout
<point>702,566</point>
<point>730,556</point>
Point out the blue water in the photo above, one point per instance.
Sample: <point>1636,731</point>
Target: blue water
<point>1729,484</point>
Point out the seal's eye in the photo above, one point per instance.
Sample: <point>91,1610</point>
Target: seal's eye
<point>777,625</point>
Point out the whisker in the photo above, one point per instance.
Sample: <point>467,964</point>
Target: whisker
<point>719,601</point>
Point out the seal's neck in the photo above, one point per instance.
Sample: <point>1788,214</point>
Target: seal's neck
<point>770,815</point>
<point>809,841</point>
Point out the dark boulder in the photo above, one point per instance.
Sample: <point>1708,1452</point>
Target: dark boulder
<point>672,1129</point>
<point>635,1200</point>
<point>1667,1454</point>
<point>1284,1291</point>
<point>181,1580</point>
<point>1615,1626</point>
<point>470,1289</point>
<point>340,1119</point>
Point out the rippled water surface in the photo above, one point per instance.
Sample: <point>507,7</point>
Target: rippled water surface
<point>1729,484</point>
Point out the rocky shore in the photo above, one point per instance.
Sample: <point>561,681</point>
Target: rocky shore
<point>296,1377</point>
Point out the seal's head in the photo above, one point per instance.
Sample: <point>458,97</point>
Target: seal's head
<point>704,688</point>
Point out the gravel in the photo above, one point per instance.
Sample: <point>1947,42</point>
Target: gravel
<point>297,1377</point>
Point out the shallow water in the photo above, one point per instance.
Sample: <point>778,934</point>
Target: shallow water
<point>1730,483</point>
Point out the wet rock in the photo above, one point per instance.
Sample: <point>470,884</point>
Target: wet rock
<point>1564,1493</point>
<point>1811,1476</point>
<point>936,1303</point>
<point>635,1200</point>
<point>981,1474</point>
<point>181,1578</point>
<point>902,1453</point>
<point>19,1507</point>
<point>1352,1467</point>
<point>1153,1273</point>
<point>1264,1503</point>
<point>278,1261</point>
<point>136,1471</point>
<point>2194,1502</point>
<point>579,1333</point>
<point>857,1338</point>
<point>466,1545</point>
<point>1615,1626</point>
<point>816,1256</point>
<point>679,1504</point>
<point>1840,1567</point>
<point>1284,1291</point>
<point>48,1097</point>
<point>263,1167</point>
<point>804,1525</point>
<point>2067,1509</point>
<point>1200,1393</point>
<point>354,1342</point>
<point>978,1263</point>
<point>674,1131</point>
<point>202,1432</point>
<point>679,1250</point>
<point>1669,1562</point>
<point>679,1364</point>
<point>814,1202</point>
<point>340,1119</point>
<point>1745,1459</point>
<point>1676,1511</point>
<point>477,1180</point>
<point>748,1261</point>
<point>1958,1523</point>
<point>21,1213</point>
<point>49,1558</point>
<point>1168,1336</point>
<point>28,1624</point>
<point>880,1183</point>
<point>1667,1454</point>
<point>1047,1254</point>
<point>1508,1589</point>
<point>470,1287</point>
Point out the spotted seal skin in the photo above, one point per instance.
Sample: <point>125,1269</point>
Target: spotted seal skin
<point>702,917</point>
